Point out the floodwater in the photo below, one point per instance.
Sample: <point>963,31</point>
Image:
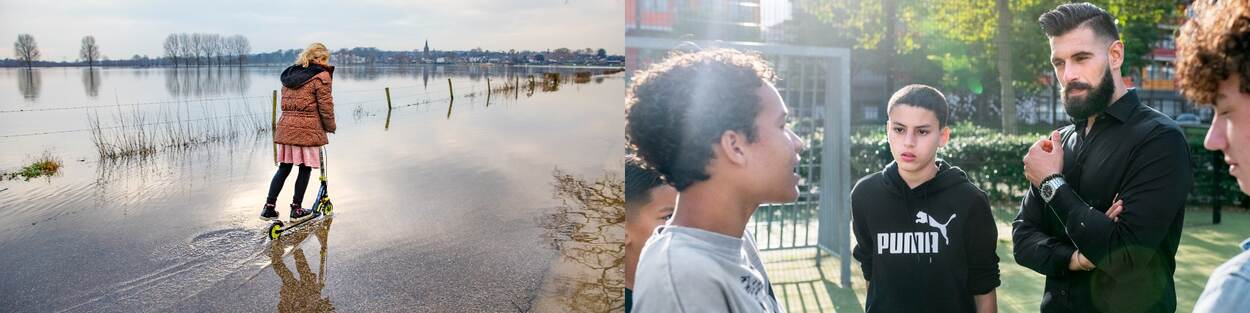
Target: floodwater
<point>507,201</point>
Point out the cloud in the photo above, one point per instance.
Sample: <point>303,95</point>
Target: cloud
<point>128,27</point>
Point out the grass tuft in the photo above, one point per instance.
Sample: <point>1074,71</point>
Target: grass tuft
<point>44,165</point>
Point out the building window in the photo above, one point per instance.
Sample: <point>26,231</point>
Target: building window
<point>871,113</point>
<point>655,6</point>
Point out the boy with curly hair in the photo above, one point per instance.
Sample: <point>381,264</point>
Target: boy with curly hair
<point>1213,68</point>
<point>712,124</point>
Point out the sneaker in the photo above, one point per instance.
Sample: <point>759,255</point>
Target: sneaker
<point>299,214</point>
<point>268,213</point>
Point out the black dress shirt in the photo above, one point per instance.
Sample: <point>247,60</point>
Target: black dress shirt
<point>1141,155</point>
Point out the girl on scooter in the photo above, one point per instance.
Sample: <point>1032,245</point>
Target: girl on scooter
<point>307,115</point>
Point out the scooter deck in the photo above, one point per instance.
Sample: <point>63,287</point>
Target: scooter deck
<point>279,227</point>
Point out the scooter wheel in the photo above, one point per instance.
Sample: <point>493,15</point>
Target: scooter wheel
<point>275,230</point>
<point>327,208</point>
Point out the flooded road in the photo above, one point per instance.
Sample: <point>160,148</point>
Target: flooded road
<point>437,207</point>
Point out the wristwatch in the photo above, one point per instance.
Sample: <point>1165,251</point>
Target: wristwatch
<point>1050,185</point>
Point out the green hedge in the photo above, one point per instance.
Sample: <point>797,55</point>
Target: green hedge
<point>1211,176</point>
<point>993,162</point>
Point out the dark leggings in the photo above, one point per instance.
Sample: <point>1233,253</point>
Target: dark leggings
<point>279,178</point>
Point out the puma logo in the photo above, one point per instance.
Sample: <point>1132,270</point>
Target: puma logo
<point>924,218</point>
<point>915,242</point>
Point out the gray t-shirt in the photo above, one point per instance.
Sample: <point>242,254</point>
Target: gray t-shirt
<point>684,269</point>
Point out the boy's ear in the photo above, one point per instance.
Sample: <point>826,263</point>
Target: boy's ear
<point>731,147</point>
<point>946,136</point>
<point>887,130</point>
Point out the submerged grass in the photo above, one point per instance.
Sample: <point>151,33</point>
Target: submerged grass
<point>581,77</point>
<point>182,127</point>
<point>44,165</point>
<point>513,85</point>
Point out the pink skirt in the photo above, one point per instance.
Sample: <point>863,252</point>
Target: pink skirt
<point>308,156</point>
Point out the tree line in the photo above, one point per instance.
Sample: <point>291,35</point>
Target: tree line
<point>180,49</point>
<point>204,49</point>
<point>197,49</point>
<point>992,47</point>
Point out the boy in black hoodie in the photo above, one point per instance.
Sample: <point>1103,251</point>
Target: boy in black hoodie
<point>924,234</point>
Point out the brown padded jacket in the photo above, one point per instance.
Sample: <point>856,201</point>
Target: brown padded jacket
<point>307,106</point>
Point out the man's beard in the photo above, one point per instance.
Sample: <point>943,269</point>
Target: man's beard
<point>1096,98</point>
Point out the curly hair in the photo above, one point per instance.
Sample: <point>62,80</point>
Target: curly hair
<point>1213,46</point>
<point>677,108</point>
<point>316,52</point>
<point>638,184</point>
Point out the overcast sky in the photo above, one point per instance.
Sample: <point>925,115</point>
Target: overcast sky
<point>124,28</point>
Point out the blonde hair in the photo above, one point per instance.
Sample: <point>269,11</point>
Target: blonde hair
<point>315,52</point>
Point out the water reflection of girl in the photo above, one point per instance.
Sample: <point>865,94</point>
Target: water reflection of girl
<point>302,294</point>
<point>307,115</point>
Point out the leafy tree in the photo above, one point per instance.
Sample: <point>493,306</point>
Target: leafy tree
<point>963,45</point>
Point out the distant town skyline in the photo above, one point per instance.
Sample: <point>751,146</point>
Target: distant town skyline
<point>125,28</point>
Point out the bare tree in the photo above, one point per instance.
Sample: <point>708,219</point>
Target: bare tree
<point>26,49</point>
<point>172,50</point>
<point>206,48</point>
<point>210,47</point>
<point>90,52</point>
<point>239,48</point>
<point>197,47</point>
<point>227,50</point>
<point>216,47</point>
<point>186,49</point>
<point>223,50</point>
<point>245,48</point>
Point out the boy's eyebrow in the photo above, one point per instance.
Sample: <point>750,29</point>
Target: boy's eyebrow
<point>896,123</point>
<point>667,210</point>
